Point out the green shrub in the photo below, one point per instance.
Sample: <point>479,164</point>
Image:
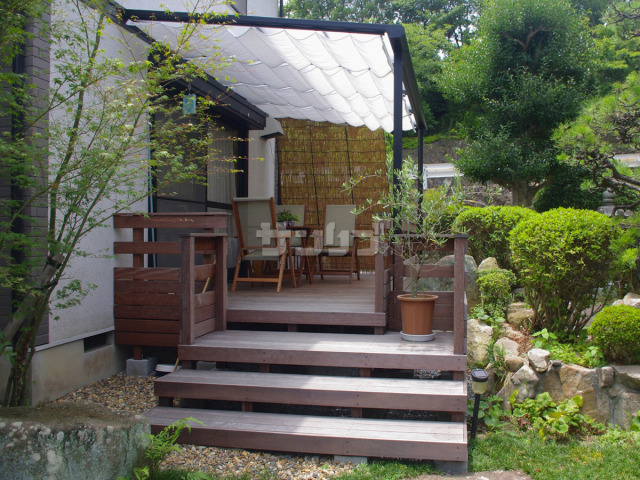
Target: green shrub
<point>562,257</point>
<point>488,229</point>
<point>495,290</point>
<point>616,330</point>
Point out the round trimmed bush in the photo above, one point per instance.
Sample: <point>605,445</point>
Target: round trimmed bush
<point>616,330</point>
<point>488,229</point>
<point>495,290</point>
<point>563,257</point>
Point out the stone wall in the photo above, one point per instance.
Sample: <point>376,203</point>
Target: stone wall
<point>70,441</point>
<point>611,394</point>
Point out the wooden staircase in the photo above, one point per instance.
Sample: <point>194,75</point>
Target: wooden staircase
<point>266,408</point>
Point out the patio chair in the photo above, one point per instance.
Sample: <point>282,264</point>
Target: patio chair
<point>260,239</point>
<point>339,239</point>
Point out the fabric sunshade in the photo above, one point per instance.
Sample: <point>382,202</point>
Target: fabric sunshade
<point>303,74</point>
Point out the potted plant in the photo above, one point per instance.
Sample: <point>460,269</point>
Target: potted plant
<point>417,224</point>
<point>286,218</point>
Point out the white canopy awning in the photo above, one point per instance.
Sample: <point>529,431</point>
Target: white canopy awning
<point>312,74</point>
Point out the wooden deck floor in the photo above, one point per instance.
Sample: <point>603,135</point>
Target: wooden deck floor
<point>332,301</point>
<point>333,294</point>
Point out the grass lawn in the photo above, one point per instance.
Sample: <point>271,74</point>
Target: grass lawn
<point>614,456</point>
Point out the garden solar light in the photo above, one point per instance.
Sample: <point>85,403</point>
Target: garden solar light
<point>479,379</point>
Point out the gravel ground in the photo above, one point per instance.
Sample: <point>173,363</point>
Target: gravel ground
<point>135,395</point>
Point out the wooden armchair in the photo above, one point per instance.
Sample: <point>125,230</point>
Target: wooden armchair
<point>260,239</point>
<point>339,239</point>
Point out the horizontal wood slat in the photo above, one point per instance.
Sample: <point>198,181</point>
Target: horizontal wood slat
<point>202,272</point>
<point>191,220</point>
<point>204,299</point>
<point>141,299</point>
<point>320,435</point>
<point>146,312</point>
<point>204,327</point>
<point>325,390</point>
<point>147,326</point>
<point>124,286</point>
<point>168,248</point>
<point>142,273</point>
<point>146,339</point>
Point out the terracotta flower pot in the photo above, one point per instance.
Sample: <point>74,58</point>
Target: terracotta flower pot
<point>417,316</point>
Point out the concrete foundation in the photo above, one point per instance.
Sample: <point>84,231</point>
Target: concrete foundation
<point>141,368</point>
<point>58,370</point>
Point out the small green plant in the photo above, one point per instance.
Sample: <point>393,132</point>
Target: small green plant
<point>160,446</point>
<point>557,420</point>
<point>494,321</point>
<point>578,351</point>
<point>490,411</point>
<point>495,290</point>
<point>287,216</point>
<point>544,338</point>
<point>634,425</point>
<point>616,330</point>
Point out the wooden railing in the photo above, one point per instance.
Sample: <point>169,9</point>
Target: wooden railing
<point>451,306</point>
<point>163,307</point>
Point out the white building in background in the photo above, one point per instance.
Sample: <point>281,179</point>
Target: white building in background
<point>78,347</point>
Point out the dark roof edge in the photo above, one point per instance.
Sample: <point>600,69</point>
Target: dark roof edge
<point>396,34</point>
<point>237,105</point>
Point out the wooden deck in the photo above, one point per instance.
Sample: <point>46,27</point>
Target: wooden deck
<point>386,351</point>
<point>332,301</point>
<point>285,362</point>
<point>321,371</point>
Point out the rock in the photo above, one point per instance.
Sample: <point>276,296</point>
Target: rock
<point>607,377</point>
<point>626,405</point>
<point>507,345</point>
<point>519,315</point>
<point>632,299</point>
<point>525,381</point>
<point>514,362</point>
<point>446,284</point>
<point>577,380</point>
<point>478,339</point>
<point>539,359</point>
<point>70,440</point>
<point>488,263</point>
<point>628,375</point>
<point>516,335</point>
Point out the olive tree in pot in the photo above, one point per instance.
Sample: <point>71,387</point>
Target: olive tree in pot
<point>417,226</point>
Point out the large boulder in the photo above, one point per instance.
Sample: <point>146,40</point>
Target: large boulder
<point>446,284</point>
<point>519,315</point>
<point>508,346</point>
<point>539,359</point>
<point>478,339</point>
<point>525,381</point>
<point>631,299</point>
<point>489,263</point>
<point>70,441</point>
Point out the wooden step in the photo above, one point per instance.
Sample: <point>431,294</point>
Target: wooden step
<point>386,351</point>
<point>405,439</point>
<point>330,391</point>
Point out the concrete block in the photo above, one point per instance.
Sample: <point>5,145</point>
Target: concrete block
<point>452,468</point>
<point>141,368</point>
<point>344,459</point>
<point>202,365</point>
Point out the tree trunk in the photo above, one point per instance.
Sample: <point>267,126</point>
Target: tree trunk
<point>522,193</point>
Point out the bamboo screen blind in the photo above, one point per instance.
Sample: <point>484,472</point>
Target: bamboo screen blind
<point>316,159</point>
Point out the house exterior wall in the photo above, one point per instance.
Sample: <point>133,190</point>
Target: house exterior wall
<point>66,358</point>
<point>262,166</point>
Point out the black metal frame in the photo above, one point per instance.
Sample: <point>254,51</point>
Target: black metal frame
<point>404,74</point>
